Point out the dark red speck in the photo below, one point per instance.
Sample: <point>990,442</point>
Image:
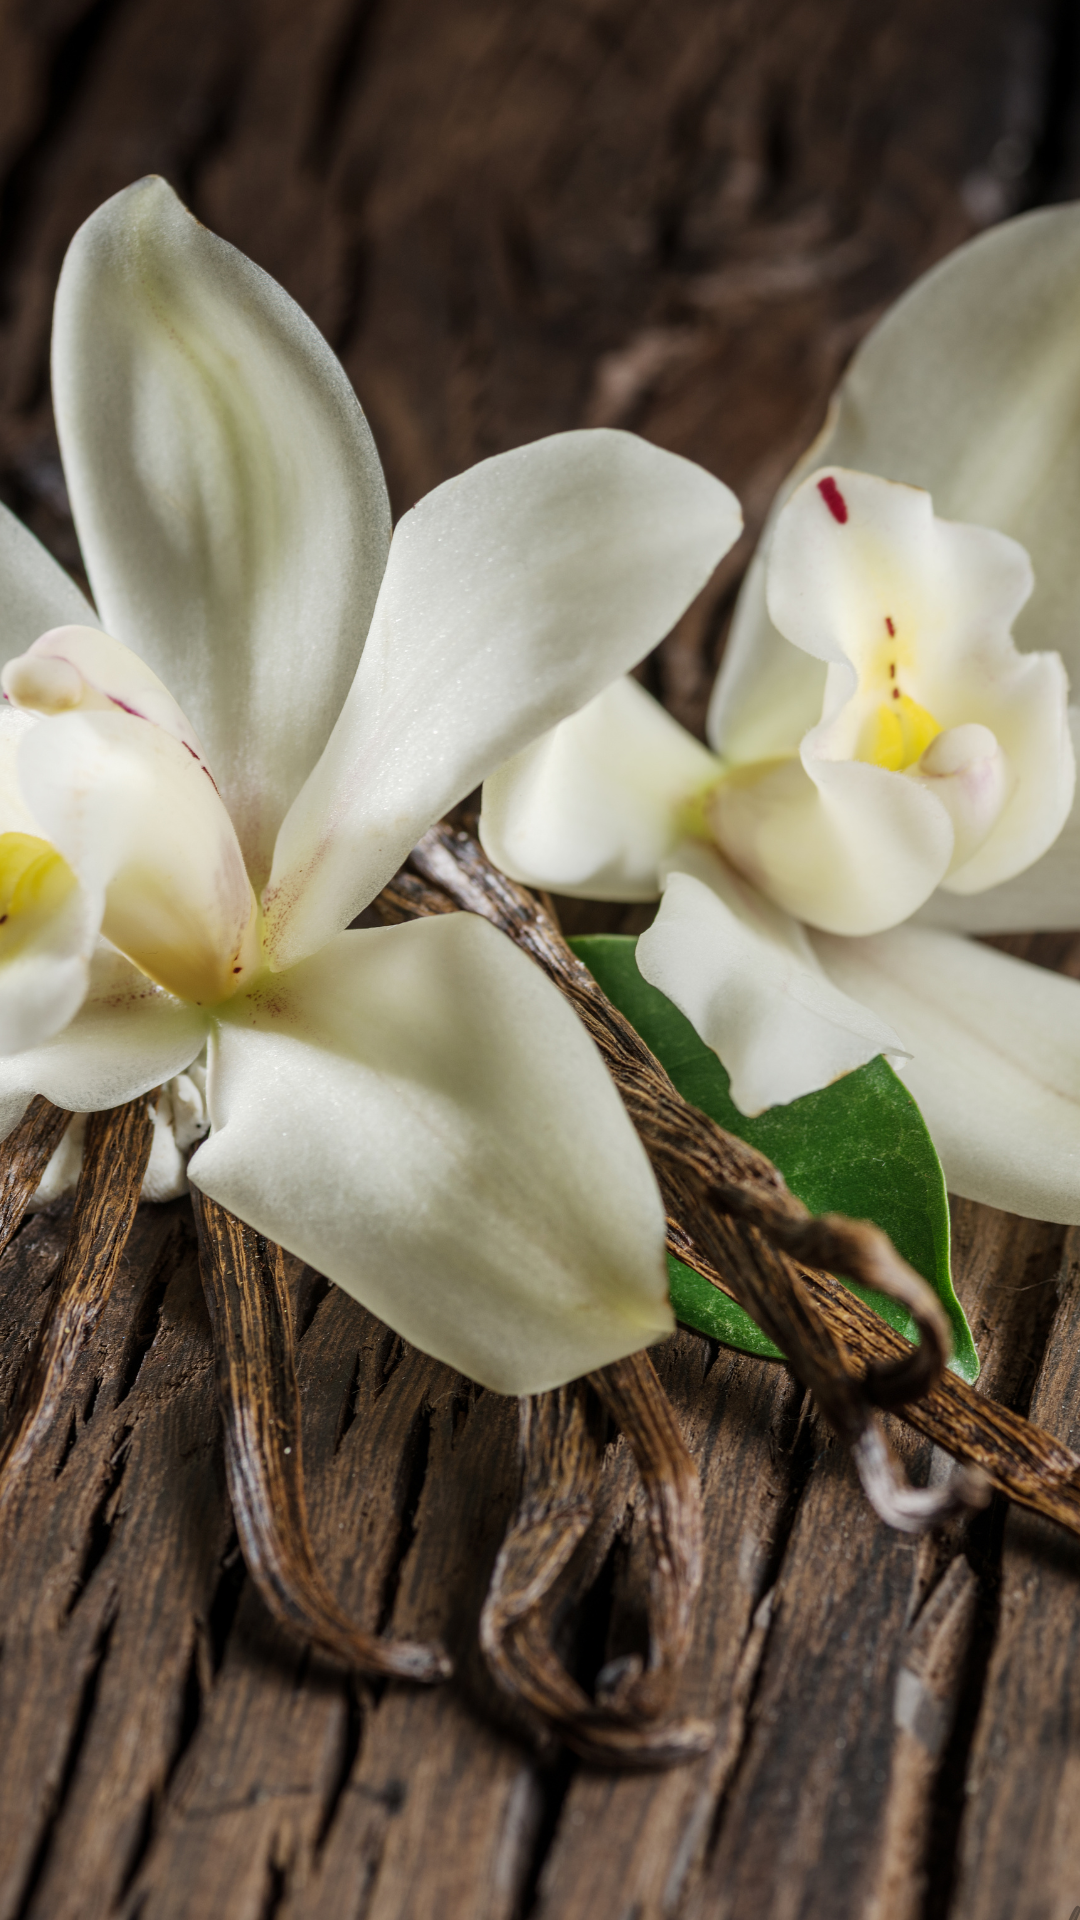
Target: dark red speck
<point>896,693</point>
<point>124,708</point>
<point>191,750</point>
<point>833,498</point>
<point>890,626</point>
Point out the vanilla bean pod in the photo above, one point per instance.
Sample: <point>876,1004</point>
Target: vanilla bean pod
<point>561,1452</point>
<point>26,1153</point>
<point>114,1162</point>
<point>633,1396</point>
<point>1017,1458</point>
<point>753,1228</point>
<point>255,1357</point>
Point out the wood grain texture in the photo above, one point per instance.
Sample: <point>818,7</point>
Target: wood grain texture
<point>511,220</point>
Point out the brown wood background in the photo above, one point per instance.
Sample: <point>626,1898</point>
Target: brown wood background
<point>508,218</point>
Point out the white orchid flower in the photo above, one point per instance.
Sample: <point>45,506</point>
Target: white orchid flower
<point>204,781</point>
<point>880,747</point>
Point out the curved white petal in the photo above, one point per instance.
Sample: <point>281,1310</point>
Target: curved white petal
<point>137,816</point>
<point>914,615</point>
<point>1027,712</point>
<point>597,804</point>
<point>970,387</point>
<point>49,921</point>
<point>35,593</point>
<point>127,1037</point>
<point>80,669</point>
<point>748,980</point>
<point>512,596</point>
<point>225,487</point>
<point>839,844</point>
<point>45,956</point>
<point>860,568</point>
<point>15,814</point>
<point>1045,895</point>
<point>996,1060</point>
<point>417,1112</point>
<point>767,694</point>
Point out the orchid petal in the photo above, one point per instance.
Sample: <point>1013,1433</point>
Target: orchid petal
<point>35,593</point>
<point>746,977</point>
<point>127,1037</point>
<point>225,487</point>
<point>913,613</point>
<point>840,844</point>
<point>15,815</point>
<point>969,387</point>
<point>81,669</point>
<point>48,921</point>
<point>44,951</point>
<point>137,816</point>
<point>1045,896</point>
<point>417,1113</point>
<point>596,805</point>
<point>513,595</point>
<point>996,1060</point>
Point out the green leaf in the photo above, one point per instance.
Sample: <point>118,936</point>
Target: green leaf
<point>858,1147</point>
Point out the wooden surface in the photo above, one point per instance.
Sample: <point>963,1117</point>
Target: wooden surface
<point>510,219</point>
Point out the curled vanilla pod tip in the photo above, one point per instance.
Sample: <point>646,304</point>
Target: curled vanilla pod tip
<point>627,1725</point>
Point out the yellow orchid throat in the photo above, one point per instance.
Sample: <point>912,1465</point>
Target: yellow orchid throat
<point>895,734</point>
<point>895,730</point>
<point>35,881</point>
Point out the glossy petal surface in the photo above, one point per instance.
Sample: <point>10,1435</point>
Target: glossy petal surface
<point>226,491</point>
<point>596,806</point>
<point>35,593</point>
<point>969,387</point>
<point>512,596</point>
<point>417,1112</point>
<point>137,817</point>
<point>126,1039</point>
<point>995,1066</point>
<point>745,975</point>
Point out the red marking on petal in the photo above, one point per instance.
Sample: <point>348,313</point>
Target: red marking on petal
<point>889,624</point>
<point>191,750</point>
<point>892,669</point>
<point>833,498</point>
<point>124,708</point>
<point>896,693</point>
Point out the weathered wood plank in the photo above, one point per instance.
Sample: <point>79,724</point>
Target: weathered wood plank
<point>1020,1843</point>
<point>75,1574</point>
<point>509,220</point>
